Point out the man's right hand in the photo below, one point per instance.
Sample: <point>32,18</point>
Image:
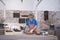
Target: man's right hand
<point>31,30</point>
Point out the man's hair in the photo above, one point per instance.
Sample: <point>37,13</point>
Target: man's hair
<point>31,15</point>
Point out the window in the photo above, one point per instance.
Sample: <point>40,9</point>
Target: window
<point>16,15</point>
<point>22,20</point>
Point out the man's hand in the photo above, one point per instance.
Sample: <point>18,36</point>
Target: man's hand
<point>32,29</point>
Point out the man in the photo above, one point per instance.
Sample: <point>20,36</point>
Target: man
<point>31,24</point>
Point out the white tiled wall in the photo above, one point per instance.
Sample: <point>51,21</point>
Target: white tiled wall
<point>8,18</point>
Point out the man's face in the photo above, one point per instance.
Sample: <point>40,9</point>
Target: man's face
<point>30,17</point>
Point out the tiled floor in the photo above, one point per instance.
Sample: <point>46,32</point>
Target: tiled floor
<point>27,37</point>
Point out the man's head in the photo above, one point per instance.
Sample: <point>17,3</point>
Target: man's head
<point>31,16</point>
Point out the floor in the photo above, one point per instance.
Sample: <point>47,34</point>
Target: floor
<point>27,37</point>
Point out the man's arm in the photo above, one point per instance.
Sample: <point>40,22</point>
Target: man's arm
<point>35,24</point>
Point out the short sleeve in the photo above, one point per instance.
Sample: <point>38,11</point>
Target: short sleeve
<point>35,22</point>
<point>27,22</point>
